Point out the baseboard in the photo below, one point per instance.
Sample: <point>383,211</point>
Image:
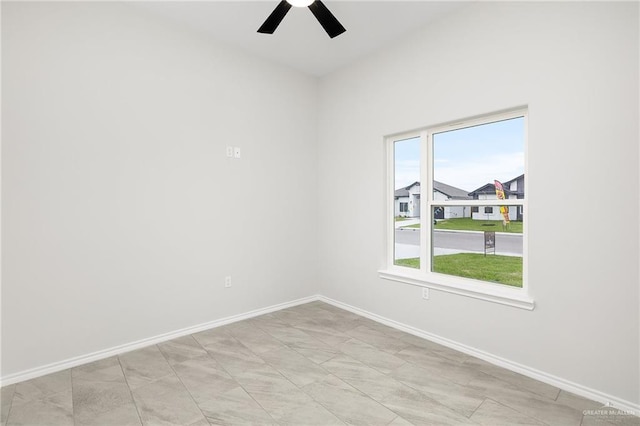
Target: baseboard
<point>493,359</point>
<point>558,382</point>
<point>127,347</point>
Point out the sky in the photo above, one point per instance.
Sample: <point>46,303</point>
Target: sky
<point>466,158</point>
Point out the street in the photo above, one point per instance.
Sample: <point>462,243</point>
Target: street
<point>462,240</point>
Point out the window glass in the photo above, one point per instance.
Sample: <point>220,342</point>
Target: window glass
<point>486,250</point>
<point>471,158</point>
<point>483,164</point>
<point>406,199</point>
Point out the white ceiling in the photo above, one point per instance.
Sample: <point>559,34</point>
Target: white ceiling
<point>300,42</point>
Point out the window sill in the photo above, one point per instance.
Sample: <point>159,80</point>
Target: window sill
<point>496,293</point>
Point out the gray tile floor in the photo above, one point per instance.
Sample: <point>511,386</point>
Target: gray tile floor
<point>312,364</point>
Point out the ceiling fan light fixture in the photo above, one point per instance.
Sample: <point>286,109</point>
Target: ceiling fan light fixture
<point>319,10</point>
<point>300,3</point>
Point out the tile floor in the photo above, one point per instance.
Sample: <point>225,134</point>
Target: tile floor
<point>312,364</point>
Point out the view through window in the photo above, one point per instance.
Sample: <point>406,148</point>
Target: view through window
<point>407,202</point>
<point>474,193</point>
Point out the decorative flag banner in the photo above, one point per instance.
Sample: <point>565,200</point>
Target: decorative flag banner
<point>500,194</point>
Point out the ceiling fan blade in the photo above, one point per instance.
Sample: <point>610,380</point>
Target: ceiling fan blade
<point>326,19</point>
<point>272,22</point>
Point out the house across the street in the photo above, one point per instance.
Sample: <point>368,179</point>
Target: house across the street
<point>407,201</point>
<point>442,191</point>
<point>513,189</point>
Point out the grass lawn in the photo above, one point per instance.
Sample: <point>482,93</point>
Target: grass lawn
<point>468,224</point>
<point>400,218</point>
<point>409,263</point>
<point>499,269</point>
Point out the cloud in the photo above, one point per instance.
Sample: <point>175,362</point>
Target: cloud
<point>470,175</point>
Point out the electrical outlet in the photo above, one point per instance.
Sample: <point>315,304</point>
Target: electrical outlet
<point>230,151</point>
<point>425,293</point>
<point>227,281</point>
<point>236,152</point>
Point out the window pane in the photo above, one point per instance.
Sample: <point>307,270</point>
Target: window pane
<point>467,161</point>
<point>483,162</point>
<point>471,244</point>
<point>407,202</point>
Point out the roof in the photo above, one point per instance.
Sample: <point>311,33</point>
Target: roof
<point>404,192</point>
<point>514,179</point>
<point>460,194</point>
<point>490,188</point>
<point>451,191</point>
<point>520,188</point>
<point>448,190</point>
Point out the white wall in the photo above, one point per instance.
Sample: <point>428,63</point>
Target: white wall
<point>576,66</point>
<point>121,213</point>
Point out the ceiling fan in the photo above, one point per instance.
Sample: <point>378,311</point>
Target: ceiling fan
<point>319,10</point>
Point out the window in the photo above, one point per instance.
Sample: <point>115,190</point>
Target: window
<point>458,189</point>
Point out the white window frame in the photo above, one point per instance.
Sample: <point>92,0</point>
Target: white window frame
<point>492,292</point>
